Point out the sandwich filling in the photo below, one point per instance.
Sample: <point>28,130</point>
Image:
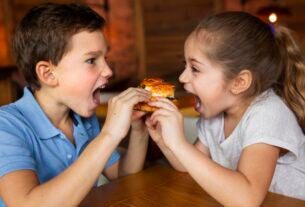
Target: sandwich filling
<point>158,88</point>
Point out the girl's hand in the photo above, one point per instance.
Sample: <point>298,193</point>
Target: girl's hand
<point>167,122</point>
<point>120,111</point>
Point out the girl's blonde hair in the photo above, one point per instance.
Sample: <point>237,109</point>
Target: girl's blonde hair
<point>238,41</point>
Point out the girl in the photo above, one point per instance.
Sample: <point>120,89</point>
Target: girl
<point>248,82</point>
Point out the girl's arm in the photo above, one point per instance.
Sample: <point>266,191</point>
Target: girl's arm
<point>155,134</point>
<point>155,131</point>
<point>247,186</point>
<point>170,156</point>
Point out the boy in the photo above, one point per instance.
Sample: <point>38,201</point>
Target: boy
<point>51,148</point>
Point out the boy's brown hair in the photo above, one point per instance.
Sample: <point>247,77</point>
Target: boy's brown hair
<point>44,33</point>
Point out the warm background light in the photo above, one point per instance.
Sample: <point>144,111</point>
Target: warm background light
<point>272,17</point>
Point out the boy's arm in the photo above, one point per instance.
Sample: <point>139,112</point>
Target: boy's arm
<point>22,188</point>
<point>134,158</point>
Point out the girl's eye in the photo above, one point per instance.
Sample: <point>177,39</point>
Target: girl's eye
<point>195,70</point>
<point>90,61</point>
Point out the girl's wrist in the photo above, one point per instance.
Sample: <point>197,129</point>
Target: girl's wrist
<point>176,146</point>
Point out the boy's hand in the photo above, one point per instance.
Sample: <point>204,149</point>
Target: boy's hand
<point>168,122</point>
<point>120,111</point>
<point>154,131</point>
<point>136,119</point>
<point>137,123</point>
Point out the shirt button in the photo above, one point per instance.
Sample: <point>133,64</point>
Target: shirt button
<point>69,156</point>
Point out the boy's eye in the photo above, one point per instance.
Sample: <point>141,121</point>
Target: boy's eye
<point>90,61</point>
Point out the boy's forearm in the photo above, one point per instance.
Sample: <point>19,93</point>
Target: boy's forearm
<point>72,185</point>
<point>134,158</point>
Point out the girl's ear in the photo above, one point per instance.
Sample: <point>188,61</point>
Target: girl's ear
<point>241,82</point>
<point>44,71</point>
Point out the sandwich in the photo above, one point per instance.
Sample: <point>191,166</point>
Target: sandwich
<point>158,88</point>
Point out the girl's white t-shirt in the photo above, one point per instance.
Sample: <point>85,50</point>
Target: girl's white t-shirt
<point>267,120</point>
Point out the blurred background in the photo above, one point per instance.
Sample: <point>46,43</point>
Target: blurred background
<point>146,39</point>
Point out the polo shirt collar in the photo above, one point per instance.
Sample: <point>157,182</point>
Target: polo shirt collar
<point>34,114</point>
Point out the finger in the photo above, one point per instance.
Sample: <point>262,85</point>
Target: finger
<point>162,112</point>
<point>136,92</point>
<point>137,114</point>
<point>125,92</point>
<point>150,123</point>
<point>164,103</point>
<point>131,97</point>
<point>160,115</point>
<point>166,100</point>
<point>141,90</point>
<point>131,90</point>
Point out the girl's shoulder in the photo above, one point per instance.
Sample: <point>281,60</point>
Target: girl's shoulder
<point>269,120</point>
<point>269,104</point>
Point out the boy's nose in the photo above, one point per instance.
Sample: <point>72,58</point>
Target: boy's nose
<point>106,71</point>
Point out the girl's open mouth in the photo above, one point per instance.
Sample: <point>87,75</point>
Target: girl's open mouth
<point>197,103</point>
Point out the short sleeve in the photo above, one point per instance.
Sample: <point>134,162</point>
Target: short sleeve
<point>201,131</point>
<point>273,123</point>
<point>14,154</point>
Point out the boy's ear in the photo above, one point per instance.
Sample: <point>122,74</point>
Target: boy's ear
<point>241,82</point>
<point>44,71</point>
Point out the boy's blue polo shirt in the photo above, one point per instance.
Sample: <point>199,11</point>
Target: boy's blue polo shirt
<point>28,140</point>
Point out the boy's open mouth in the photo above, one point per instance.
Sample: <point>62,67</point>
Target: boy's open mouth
<point>97,94</point>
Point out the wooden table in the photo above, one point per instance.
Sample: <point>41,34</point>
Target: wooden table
<point>162,186</point>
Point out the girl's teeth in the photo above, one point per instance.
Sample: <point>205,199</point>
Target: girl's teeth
<point>197,103</point>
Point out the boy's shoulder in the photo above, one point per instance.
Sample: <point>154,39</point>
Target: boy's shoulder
<point>11,116</point>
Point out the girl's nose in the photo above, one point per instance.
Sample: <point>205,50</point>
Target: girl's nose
<point>183,77</point>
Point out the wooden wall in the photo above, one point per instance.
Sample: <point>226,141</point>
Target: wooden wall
<point>295,21</point>
<point>146,36</point>
<point>166,26</point>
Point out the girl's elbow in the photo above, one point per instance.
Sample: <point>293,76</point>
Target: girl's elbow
<point>247,201</point>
